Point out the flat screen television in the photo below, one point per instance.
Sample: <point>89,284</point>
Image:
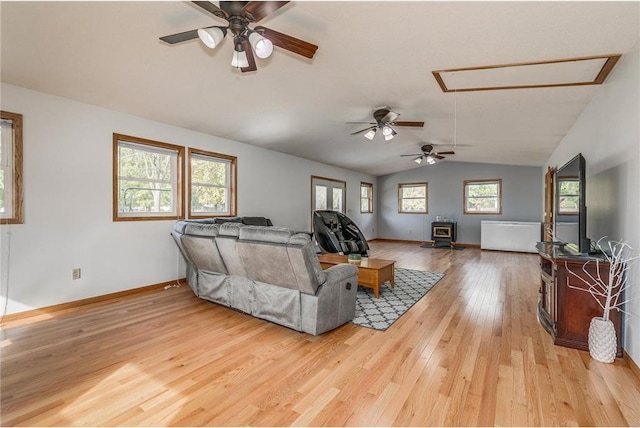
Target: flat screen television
<point>570,210</point>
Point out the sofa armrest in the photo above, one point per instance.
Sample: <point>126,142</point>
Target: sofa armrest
<point>341,272</point>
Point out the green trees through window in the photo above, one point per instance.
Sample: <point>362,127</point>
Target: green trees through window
<point>483,196</point>
<point>211,184</point>
<point>413,198</point>
<point>148,177</point>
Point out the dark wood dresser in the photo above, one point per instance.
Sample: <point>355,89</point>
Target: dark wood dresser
<point>566,312</point>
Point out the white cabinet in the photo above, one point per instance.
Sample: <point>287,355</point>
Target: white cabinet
<point>518,236</point>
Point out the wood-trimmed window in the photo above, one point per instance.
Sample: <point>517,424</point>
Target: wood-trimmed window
<point>11,208</point>
<point>413,198</point>
<point>366,197</point>
<point>483,196</point>
<point>148,179</point>
<point>212,184</point>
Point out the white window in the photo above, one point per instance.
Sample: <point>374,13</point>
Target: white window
<point>212,189</point>
<point>413,198</point>
<point>483,196</point>
<point>11,168</point>
<point>148,179</point>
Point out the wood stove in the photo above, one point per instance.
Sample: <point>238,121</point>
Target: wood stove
<point>443,233</point>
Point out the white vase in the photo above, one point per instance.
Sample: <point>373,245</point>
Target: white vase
<point>602,340</point>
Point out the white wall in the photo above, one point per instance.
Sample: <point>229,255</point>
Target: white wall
<point>608,136</point>
<point>68,202</point>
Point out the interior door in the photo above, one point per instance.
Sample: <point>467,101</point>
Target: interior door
<point>548,203</point>
<point>328,194</point>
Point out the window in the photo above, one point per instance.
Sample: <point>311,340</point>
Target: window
<point>483,196</point>
<point>568,195</point>
<point>366,197</point>
<point>11,168</point>
<point>212,184</point>
<point>412,198</point>
<point>148,177</point>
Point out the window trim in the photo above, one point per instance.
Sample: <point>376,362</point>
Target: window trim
<point>233,177</point>
<point>369,197</point>
<point>497,181</point>
<point>17,196</point>
<point>179,179</point>
<point>426,198</point>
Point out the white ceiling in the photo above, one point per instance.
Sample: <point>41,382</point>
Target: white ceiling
<point>370,54</point>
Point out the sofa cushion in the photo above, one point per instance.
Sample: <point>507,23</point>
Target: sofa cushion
<point>201,228</point>
<point>267,262</point>
<point>276,235</point>
<point>230,229</point>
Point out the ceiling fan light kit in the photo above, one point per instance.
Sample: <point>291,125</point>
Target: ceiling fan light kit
<point>239,14</point>
<point>239,59</point>
<point>370,134</point>
<point>384,119</point>
<point>429,154</point>
<point>262,47</point>
<point>212,36</point>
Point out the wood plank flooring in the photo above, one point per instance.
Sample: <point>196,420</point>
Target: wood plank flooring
<point>471,352</point>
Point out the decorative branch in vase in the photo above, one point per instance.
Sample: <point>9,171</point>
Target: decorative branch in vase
<point>609,292</point>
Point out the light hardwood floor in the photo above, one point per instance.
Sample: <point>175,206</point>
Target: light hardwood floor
<point>471,352</point>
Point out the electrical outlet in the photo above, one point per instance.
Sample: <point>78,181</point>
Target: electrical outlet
<point>75,273</point>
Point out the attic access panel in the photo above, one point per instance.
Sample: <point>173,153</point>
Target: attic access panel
<point>592,70</point>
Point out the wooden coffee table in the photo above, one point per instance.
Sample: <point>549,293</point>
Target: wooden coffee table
<point>372,273</point>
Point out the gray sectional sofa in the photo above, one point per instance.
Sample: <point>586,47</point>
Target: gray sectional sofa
<point>269,272</point>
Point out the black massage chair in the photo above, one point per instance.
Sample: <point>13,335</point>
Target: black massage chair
<point>337,233</point>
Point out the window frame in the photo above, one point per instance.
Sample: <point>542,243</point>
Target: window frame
<point>369,197</point>
<point>466,183</point>
<point>426,197</point>
<point>16,214</point>
<point>179,194</point>
<point>232,185</point>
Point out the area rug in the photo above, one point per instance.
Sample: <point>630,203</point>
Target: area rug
<point>381,313</point>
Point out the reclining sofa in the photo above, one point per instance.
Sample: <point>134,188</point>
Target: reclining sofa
<point>269,272</point>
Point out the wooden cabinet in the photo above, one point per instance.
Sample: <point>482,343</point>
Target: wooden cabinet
<point>562,310</point>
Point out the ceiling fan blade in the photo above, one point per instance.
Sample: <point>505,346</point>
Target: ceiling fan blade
<point>416,124</point>
<point>446,153</point>
<point>390,117</point>
<point>250,58</point>
<point>289,43</point>
<point>363,130</point>
<point>254,11</point>
<point>212,8</point>
<point>436,156</point>
<point>360,123</point>
<point>414,154</point>
<point>180,37</point>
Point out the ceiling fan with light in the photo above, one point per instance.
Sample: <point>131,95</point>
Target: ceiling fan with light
<point>239,14</point>
<point>429,154</point>
<point>385,120</point>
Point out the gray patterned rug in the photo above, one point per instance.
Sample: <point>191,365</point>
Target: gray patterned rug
<point>380,313</point>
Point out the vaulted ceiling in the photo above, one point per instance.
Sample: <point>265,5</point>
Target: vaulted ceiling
<point>370,54</point>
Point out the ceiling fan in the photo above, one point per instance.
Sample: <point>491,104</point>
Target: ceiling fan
<point>429,155</point>
<point>239,14</point>
<point>385,119</point>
